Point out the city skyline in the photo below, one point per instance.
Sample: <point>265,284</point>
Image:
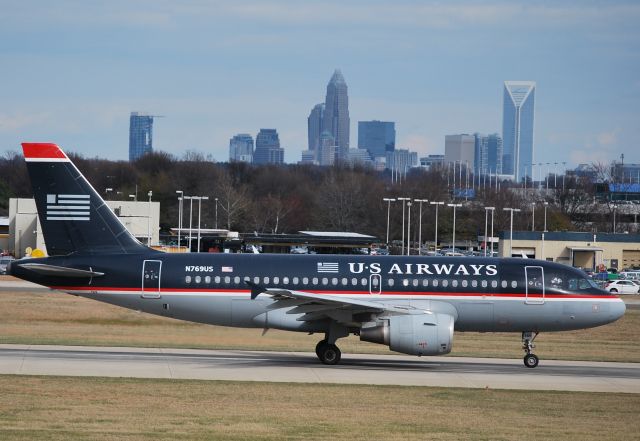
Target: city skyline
<point>72,72</point>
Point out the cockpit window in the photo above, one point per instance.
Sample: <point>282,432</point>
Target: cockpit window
<point>584,284</point>
<point>573,284</point>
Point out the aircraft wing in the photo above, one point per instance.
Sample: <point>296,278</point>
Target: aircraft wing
<point>318,306</point>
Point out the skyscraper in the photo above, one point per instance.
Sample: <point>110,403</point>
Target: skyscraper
<point>268,149</point>
<point>140,135</point>
<point>517,128</point>
<point>460,149</point>
<point>378,137</point>
<point>241,148</point>
<point>488,154</point>
<point>336,112</point>
<point>314,126</point>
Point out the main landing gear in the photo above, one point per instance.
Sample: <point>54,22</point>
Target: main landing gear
<point>530,360</point>
<point>326,349</point>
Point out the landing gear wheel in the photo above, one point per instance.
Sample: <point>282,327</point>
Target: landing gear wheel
<point>531,360</point>
<point>319,345</point>
<point>329,354</point>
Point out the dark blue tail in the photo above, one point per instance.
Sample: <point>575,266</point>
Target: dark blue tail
<point>73,216</point>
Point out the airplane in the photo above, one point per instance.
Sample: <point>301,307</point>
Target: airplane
<point>412,304</point>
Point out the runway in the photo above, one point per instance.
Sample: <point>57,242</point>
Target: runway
<point>305,368</point>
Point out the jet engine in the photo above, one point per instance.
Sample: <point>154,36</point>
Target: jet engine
<point>415,334</point>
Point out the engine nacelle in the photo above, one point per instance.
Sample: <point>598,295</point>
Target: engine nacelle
<point>416,334</point>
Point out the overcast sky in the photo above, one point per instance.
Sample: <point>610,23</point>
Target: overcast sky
<point>72,71</point>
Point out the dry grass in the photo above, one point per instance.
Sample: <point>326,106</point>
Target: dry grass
<point>60,408</point>
<point>56,318</point>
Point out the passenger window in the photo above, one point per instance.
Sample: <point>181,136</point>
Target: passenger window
<point>435,282</point>
<point>305,280</point>
<point>374,282</point>
<point>445,283</point>
<point>187,279</point>
<point>484,284</point>
<point>345,281</point>
<point>514,284</point>
<point>390,282</point>
<point>334,281</point>
<point>465,283</point>
<point>474,283</point>
<point>494,284</point>
<point>256,280</point>
<point>295,280</point>
<point>354,281</point>
<point>454,283</point>
<point>285,280</point>
<point>364,281</point>
<point>425,282</point>
<point>217,280</point>
<point>198,279</point>
<point>415,282</point>
<point>405,282</point>
<point>504,284</point>
<point>276,280</point>
<point>236,280</point>
<point>227,280</point>
<point>325,281</point>
<point>207,279</point>
<point>315,281</point>
<point>266,280</point>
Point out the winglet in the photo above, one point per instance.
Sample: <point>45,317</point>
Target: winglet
<point>255,289</point>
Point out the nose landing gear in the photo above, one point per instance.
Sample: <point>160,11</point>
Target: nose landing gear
<point>530,360</point>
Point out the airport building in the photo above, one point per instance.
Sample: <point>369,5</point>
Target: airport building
<point>583,250</point>
<point>140,218</point>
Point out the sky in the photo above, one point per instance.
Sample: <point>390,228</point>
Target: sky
<point>71,72</point>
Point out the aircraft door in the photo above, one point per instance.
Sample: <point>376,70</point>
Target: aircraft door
<point>535,286</point>
<point>151,272</point>
<point>375,284</point>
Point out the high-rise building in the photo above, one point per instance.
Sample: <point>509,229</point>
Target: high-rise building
<point>314,126</point>
<point>378,137</point>
<point>268,149</point>
<point>326,153</point>
<point>241,148</point>
<point>517,128</point>
<point>336,112</point>
<point>488,154</point>
<point>460,149</point>
<point>140,135</point>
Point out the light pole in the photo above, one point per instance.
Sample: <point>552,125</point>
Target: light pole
<point>511,229</point>
<point>453,245</point>
<point>435,243</point>
<point>216,213</point>
<point>420,225</point>
<point>545,215</point>
<point>555,175</point>
<point>190,199</point>
<point>533,216</point>
<point>403,199</point>
<point>181,193</point>
<point>615,207</point>
<point>409,228</point>
<point>548,171</point>
<point>388,201</point>
<point>200,199</point>
<point>149,220</point>
<point>486,215</point>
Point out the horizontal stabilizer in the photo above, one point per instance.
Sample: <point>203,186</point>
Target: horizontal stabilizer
<point>59,271</point>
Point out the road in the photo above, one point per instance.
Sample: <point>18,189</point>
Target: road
<point>305,368</point>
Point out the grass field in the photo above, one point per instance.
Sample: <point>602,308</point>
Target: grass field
<point>56,318</point>
<point>62,408</point>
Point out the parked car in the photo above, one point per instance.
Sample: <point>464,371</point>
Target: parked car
<point>4,262</point>
<point>622,286</point>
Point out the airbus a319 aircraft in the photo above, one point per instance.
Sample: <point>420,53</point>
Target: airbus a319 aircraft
<point>411,304</point>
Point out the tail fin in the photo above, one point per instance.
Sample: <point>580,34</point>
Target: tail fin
<point>73,216</point>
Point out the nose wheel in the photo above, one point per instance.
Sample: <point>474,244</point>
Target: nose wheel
<point>530,360</point>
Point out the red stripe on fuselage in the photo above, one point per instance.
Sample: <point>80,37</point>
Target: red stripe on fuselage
<point>335,292</point>
<point>42,150</point>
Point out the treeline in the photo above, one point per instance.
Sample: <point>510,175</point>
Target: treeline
<point>290,198</point>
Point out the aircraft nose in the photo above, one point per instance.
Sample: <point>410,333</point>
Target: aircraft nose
<point>618,309</point>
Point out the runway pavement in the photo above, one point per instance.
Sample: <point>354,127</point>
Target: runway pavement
<point>305,368</point>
